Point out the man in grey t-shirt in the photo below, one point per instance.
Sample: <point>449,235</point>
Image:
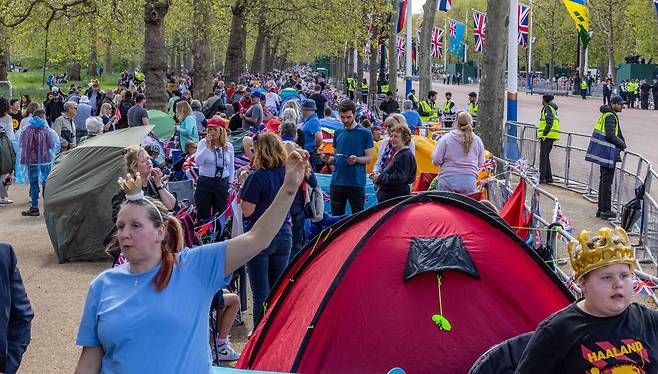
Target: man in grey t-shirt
<point>253,117</point>
<point>137,115</point>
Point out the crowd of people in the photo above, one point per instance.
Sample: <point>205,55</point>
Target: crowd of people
<point>159,278</point>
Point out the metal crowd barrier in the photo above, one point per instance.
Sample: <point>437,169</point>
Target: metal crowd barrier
<point>572,172</point>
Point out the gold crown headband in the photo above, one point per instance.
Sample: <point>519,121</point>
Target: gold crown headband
<point>133,189</point>
<point>607,247</point>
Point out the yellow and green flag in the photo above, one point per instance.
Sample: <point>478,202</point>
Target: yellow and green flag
<point>580,14</point>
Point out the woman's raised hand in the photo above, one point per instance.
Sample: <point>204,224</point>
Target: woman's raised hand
<point>295,168</point>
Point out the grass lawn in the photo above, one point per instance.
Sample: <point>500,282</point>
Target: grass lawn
<point>30,84</point>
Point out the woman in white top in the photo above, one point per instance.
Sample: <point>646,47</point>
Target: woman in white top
<point>215,159</point>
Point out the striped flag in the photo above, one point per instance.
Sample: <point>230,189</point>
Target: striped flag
<point>402,15</point>
<point>524,16</point>
<point>562,220</point>
<point>580,14</point>
<point>446,5</point>
<point>655,2</point>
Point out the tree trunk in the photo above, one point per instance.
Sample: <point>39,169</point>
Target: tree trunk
<point>155,63</point>
<point>271,54</point>
<point>551,63</point>
<point>73,73</point>
<point>492,86</point>
<point>392,54</point>
<point>235,54</point>
<point>92,64</point>
<point>340,72</point>
<point>187,56</point>
<point>359,75</point>
<point>4,52</point>
<point>612,71</point>
<point>202,74</point>
<point>177,55</point>
<point>372,77</point>
<point>423,54</point>
<point>259,48</point>
<point>108,57</point>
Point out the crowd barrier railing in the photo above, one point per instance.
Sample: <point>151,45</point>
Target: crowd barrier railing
<point>572,172</point>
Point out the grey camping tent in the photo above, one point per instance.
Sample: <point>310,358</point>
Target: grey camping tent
<point>79,190</point>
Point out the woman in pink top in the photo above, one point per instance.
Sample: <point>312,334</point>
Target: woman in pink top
<point>460,153</point>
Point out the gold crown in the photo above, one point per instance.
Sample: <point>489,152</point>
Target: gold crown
<point>132,187</point>
<point>607,247</point>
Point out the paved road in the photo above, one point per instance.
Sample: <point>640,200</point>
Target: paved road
<point>640,127</point>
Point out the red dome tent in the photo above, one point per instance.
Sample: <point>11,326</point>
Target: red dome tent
<point>364,300</point>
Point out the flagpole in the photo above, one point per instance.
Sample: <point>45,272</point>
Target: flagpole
<point>512,76</point>
<point>409,50</point>
<point>445,46</point>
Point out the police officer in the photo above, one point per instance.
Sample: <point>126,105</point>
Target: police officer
<point>428,109</point>
<point>364,91</point>
<point>412,97</point>
<point>351,86</point>
<point>604,149</point>
<point>547,133</point>
<point>473,106</point>
<point>448,111</point>
<point>583,89</point>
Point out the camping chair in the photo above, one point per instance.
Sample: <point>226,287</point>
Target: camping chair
<point>502,358</point>
<point>182,190</point>
<point>176,155</point>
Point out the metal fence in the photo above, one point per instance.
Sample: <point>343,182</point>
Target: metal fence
<point>572,172</point>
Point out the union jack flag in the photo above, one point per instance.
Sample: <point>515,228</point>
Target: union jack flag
<point>488,165</point>
<point>524,15</point>
<point>643,286</point>
<point>453,28</point>
<point>437,42</point>
<point>400,46</point>
<point>479,29</point>
<point>562,220</point>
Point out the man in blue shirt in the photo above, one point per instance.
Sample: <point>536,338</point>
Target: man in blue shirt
<point>353,145</point>
<point>312,132</point>
<point>412,117</point>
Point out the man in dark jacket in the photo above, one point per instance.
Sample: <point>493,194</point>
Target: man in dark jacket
<point>389,105</point>
<point>654,92</point>
<point>15,315</point>
<point>53,107</point>
<point>645,89</point>
<point>613,136</point>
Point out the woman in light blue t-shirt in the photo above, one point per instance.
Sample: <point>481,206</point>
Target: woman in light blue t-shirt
<point>187,128</point>
<point>151,314</point>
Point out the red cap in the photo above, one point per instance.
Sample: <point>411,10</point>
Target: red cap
<point>217,122</point>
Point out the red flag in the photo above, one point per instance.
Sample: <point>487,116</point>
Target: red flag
<point>514,211</point>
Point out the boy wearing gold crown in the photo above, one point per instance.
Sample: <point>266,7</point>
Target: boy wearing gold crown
<point>604,332</point>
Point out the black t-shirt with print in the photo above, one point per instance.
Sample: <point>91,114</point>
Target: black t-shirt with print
<point>572,341</point>
<point>16,119</point>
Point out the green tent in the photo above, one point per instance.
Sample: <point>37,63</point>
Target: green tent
<point>163,122</point>
<point>79,190</point>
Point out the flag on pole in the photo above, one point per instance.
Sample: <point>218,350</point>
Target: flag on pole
<point>445,5</point>
<point>580,14</point>
<point>457,30</point>
<point>402,15</point>
<point>562,220</point>
<point>655,2</point>
<point>400,46</point>
<point>524,16</point>
<point>437,43</point>
<point>479,29</point>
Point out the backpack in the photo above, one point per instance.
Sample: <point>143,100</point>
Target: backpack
<point>313,202</point>
<point>7,154</point>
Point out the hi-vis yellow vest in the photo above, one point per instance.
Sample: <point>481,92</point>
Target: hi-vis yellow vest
<point>433,109</point>
<point>553,133</point>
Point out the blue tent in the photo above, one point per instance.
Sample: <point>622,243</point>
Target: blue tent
<point>331,123</point>
<point>324,180</point>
